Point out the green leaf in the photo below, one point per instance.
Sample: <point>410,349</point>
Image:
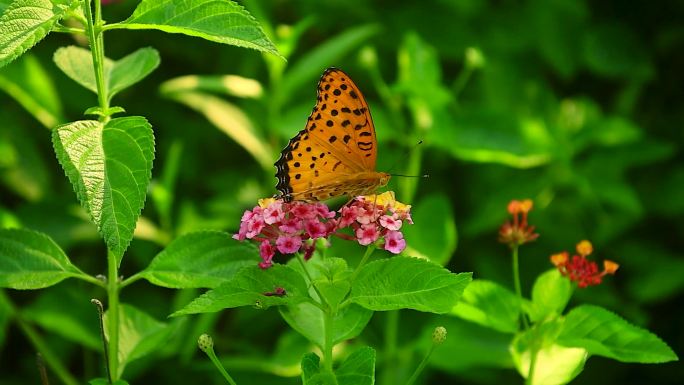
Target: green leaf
<point>308,68</point>
<point>613,50</point>
<point>231,85</point>
<point>307,319</point>
<point>550,294</point>
<point>401,282</point>
<point>604,333</point>
<point>26,22</point>
<point>25,169</point>
<point>555,365</point>
<point>248,288</point>
<point>27,82</point>
<point>231,120</point>
<point>222,21</point>
<point>201,259</point>
<point>333,282</point>
<point>489,137</point>
<point>311,367</point>
<point>358,368</point>
<point>77,63</point>
<point>78,324</point>
<point>31,260</point>
<point>475,346</point>
<point>109,166</point>
<point>105,381</point>
<point>7,313</point>
<point>489,304</point>
<point>131,69</point>
<point>436,242</point>
<point>139,334</point>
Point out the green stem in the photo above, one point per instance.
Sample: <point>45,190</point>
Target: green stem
<point>113,313</point>
<point>217,363</point>
<point>364,259</point>
<point>94,31</point>
<point>421,366</point>
<point>50,358</point>
<point>391,333</point>
<point>516,282</point>
<point>91,279</point>
<point>328,320</point>
<point>533,363</point>
<point>461,81</point>
<point>105,349</point>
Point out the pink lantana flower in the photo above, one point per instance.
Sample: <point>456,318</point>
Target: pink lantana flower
<point>294,227</point>
<point>288,245</point>
<point>367,234</point>
<point>394,242</point>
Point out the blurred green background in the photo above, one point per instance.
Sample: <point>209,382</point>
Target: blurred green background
<point>575,104</point>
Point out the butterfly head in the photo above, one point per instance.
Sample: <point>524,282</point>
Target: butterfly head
<point>383,179</point>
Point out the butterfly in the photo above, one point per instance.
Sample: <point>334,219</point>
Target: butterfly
<point>335,154</point>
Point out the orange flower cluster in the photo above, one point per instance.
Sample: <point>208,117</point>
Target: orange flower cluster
<point>517,232</point>
<point>579,269</point>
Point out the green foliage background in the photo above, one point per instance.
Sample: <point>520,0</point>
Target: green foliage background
<point>577,105</point>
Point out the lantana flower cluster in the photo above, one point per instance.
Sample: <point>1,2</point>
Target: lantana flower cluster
<point>581,270</point>
<point>292,227</point>
<point>517,231</point>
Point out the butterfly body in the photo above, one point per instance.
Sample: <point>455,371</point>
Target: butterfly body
<point>335,154</point>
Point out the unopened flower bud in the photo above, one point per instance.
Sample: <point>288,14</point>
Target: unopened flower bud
<point>439,335</point>
<point>584,248</point>
<point>368,57</point>
<point>559,259</point>
<point>474,57</point>
<point>205,343</point>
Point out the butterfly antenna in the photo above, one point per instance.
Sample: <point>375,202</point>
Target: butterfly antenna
<point>406,153</point>
<point>412,176</point>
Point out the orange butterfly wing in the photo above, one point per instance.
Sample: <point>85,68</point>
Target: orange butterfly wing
<point>335,153</point>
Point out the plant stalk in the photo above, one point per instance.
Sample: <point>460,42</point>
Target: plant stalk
<point>113,313</point>
<point>533,364</point>
<point>516,282</point>
<point>364,259</point>
<point>391,333</point>
<point>94,32</point>
<point>328,348</point>
<point>421,366</point>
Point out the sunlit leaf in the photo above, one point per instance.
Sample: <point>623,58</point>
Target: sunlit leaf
<point>109,166</point>
<point>232,85</point>
<point>550,294</point>
<point>26,22</point>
